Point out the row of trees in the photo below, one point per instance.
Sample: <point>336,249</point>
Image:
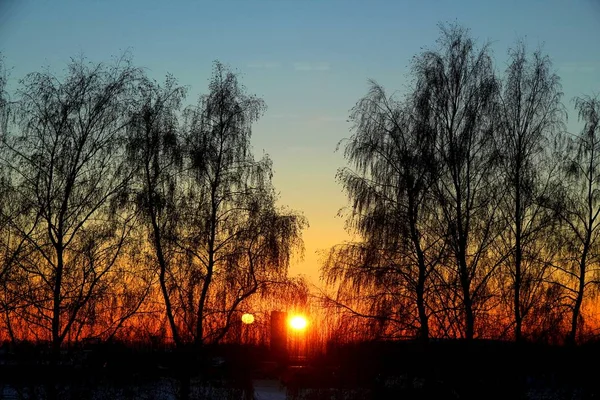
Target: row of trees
<point>123,211</point>
<point>119,207</point>
<point>478,213</point>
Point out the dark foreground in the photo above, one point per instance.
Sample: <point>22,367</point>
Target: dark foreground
<point>374,370</point>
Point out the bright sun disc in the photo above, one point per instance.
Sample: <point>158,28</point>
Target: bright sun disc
<point>298,323</point>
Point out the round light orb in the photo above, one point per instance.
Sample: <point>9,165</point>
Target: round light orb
<point>298,323</point>
<point>247,318</point>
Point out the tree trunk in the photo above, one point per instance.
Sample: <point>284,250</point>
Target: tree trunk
<point>572,336</point>
<point>420,289</point>
<point>518,251</point>
<point>467,301</point>
<point>56,302</point>
<point>423,334</point>
<point>518,273</point>
<point>162,278</point>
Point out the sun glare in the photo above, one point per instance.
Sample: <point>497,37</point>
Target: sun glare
<point>298,323</point>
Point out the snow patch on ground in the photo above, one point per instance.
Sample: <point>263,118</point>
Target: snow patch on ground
<point>268,389</point>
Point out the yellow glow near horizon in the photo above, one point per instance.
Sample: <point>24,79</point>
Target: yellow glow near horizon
<point>298,323</point>
<point>247,318</point>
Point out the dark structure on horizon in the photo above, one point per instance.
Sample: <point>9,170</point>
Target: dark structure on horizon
<point>278,339</point>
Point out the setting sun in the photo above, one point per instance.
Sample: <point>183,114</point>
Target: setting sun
<point>298,323</point>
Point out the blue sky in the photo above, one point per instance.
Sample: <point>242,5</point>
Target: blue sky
<point>309,60</point>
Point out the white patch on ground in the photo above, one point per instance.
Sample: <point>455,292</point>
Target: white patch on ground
<point>268,390</point>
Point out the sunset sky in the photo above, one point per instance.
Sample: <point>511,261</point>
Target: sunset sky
<point>309,61</point>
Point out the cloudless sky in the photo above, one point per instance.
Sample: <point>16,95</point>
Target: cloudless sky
<point>309,60</point>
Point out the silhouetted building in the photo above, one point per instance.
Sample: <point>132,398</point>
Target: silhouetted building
<point>279,335</point>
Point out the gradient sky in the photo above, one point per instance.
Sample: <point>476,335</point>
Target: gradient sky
<point>309,60</point>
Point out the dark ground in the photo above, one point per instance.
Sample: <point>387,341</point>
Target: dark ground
<point>448,369</point>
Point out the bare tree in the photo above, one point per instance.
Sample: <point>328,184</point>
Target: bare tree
<point>233,239</point>
<point>4,113</point>
<point>66,165</point>
<point>530,114</point>
<point>11,245</point>
<point>461,87</point>
<point>155,151</point>
<point>390,190</point>
<point>580,212</point>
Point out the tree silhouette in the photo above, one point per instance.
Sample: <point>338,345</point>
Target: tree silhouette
<point>580,211</point>
<point>461,88</point>
<point>392,152</point>
<point>124,214</point>
<point>11,245</point>
<point>67,175</point>
<point>155,151</point>
<point>530,114</point>
<point>233,239</point>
